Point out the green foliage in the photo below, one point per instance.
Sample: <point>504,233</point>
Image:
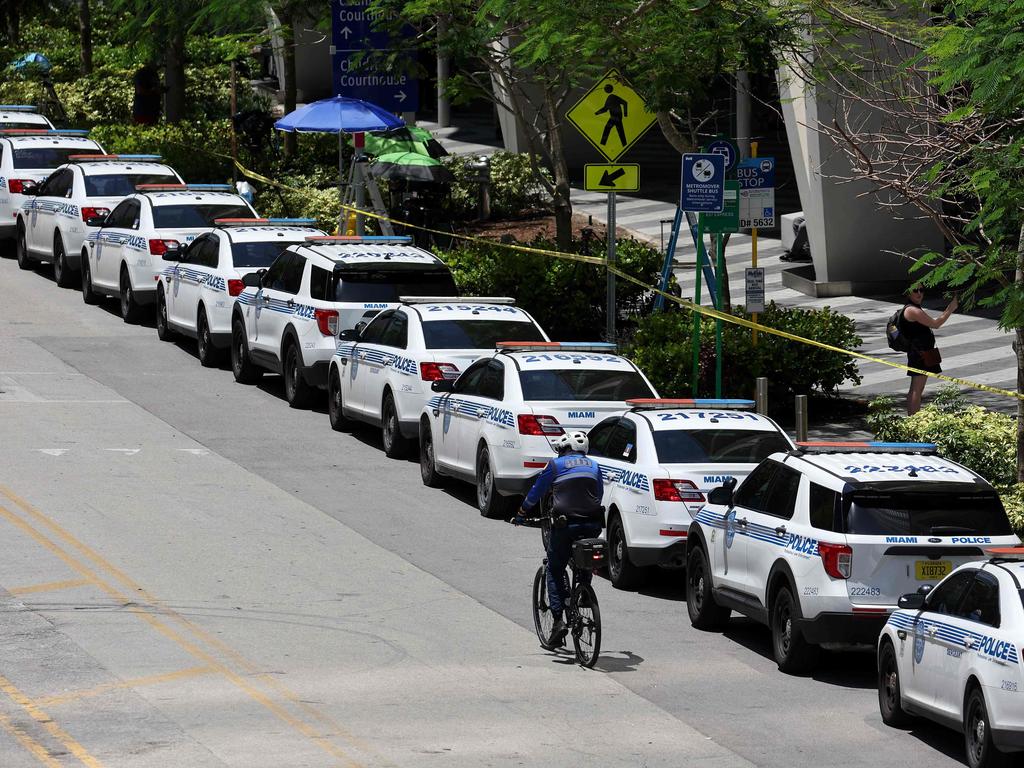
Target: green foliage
<point>189,147</point>
<point>307,202</point>
<point>514,189</point>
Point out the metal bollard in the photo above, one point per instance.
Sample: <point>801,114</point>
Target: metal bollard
<point>801,418</point>
<point>761,394</point>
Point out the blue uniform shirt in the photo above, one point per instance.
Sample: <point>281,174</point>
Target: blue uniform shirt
<point>575,482</point>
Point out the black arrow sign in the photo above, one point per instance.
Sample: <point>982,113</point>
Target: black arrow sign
<point>609,178</point>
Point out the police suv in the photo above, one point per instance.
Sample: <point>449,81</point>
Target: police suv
<point>27,156</point>
<point>383,374</point>
<point>195,292</point>
<point>659,460</point>
<point>22,116</point>
<point>288,317</point>
<point>492,425</point>
<point>953,655</point>
<point>124,257</point>
<point>58,215</point>
<point>819,543</point>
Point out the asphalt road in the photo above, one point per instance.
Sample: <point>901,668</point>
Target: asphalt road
<point>194,574</point>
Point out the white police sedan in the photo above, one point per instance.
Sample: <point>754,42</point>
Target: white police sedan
<point>952,654</point>
<point>383,374</point>
<point>659,460</point>
<point>492,426</point>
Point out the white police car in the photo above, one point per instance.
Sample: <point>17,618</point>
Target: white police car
<point>124,257</point>
<point>953,655</point>
<point>819,543</point>
<point>383,375</point>
<point>288,317</point>
<point>195,292</point>
<point>659,460</point>
<point>22,116</point>
<point>492,425</point>
<point>27,156</point>
<point>55,219</point>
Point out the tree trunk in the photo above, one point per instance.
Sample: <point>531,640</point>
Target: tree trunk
<point>562,193</point>
<point>174,77</point>
<point>85,35</point>
<point>290,89</point>
<point>13,21</point>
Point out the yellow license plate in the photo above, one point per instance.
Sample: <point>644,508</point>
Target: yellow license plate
<point>931,570</point>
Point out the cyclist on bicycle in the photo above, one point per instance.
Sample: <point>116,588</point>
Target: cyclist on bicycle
<point>574,481</point>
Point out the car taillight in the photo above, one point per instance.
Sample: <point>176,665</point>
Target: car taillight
<point>677,490</point>
<point>438,371</point>
<point>538,425</point>
<point>159,247</point>
<point>91,213</point>
<point>17,185</point>
<point>327,321</point>
<point>837,559</point>
<point>235,287</point>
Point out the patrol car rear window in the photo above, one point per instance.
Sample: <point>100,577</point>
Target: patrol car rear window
<point>576,384</point>
<point>717,446</point>
<point>387,286</point>
<point>48,157</point>
<point>22,124</point>
<point>123,184</point>
<point>934,512</point>
<point>476,334</point>
<point>258,254</point>
<point>191,215</point>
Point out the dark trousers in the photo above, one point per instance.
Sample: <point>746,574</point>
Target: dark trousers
<point>559,554</point>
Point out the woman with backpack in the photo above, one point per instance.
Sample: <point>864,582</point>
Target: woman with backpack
<point>916,329</point>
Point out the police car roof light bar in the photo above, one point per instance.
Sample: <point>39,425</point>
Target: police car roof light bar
<point>91,158</point>
<point>866,446</point>
<point>285,220</point>
<point>333,239</point>
<point>556,346</point>
<point>210,187</point>
<point>148,158</point>
<point>18,108</point>
<point>659,403</point>
<point>1004,554</point>
<point>239,222</point>
<point>68,131</point>
<point>456,299</point>
<point>24,131</point>
<point>159,187</point>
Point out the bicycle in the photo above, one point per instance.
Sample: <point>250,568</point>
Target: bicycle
<point>582,613</point>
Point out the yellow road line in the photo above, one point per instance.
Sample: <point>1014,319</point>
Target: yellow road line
<point>49,724</point>
<point>132,605</point>
<point>138,682</point>
<point>38,750</point>
<point>51,586</point>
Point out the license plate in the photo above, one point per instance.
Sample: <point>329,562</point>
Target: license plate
<point>932,570</point>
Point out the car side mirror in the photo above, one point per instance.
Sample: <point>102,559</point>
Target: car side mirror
<point>253,279</point>
<point>173,253</point>
<point>96,221</point>
<point>911,602</point>
<point>723,494</point>
<point>360,327</point>
<point>349,334</point>
<point>29,187</point>
<point>442,385</point>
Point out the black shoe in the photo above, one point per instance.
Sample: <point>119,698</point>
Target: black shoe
<point>558,631</point>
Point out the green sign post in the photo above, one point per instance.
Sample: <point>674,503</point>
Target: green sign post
<point>728,221</point>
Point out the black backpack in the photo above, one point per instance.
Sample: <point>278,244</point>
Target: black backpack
<point>894,332</point>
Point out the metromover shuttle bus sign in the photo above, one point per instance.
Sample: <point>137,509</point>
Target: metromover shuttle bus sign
<point>703,183</point>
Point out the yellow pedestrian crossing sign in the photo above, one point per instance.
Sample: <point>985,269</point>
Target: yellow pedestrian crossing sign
<point>611,115</point>
<point>616,177</point>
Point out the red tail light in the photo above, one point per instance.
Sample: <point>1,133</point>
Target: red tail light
<point>91,213</point>
<point>837,559</point>
<point>538,425</point>
<point>159,247</point>
<point>17,185</point>
<point>235,287</point>
<point>438,371</point>
<point>677,490</point>
<point>327,321</point>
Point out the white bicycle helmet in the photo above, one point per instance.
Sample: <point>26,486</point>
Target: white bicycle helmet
<point>571,441</point>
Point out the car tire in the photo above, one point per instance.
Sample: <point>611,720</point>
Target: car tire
<point>62,272</point>
<point>296,391</point>
<point>242,366</point>
<point>890,697</point>
<point>209,355</point>
<point>335,404</point>
<point>428,462</point>
<point>705,613</point>
<point>163,328</point>
<point>981,750</point>
<point>488,500</point>
<point>21,248</point>
<point>130,309</point>
<point>396,445</point>
<point>621,571</point>
<point>792,652</point>
<point>89,296</point>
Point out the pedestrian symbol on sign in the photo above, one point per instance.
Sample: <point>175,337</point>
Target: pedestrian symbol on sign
<point>617,108</point>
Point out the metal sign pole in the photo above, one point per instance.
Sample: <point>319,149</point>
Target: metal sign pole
<point>611,263</point>
<point>719,274</point>
<point>753,253</point>
<point>696,315</point>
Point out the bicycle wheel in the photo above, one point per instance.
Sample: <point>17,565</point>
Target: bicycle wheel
<point>543,620</point>
<point>586,626</point>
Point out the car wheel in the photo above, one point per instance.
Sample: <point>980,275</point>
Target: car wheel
<point>428,463</point>
<point>335,405</point>
<point>491,503</point>
<point>209,355</point>
<point>89,296</point>
<point>890,697</point>
<point>24,260</point>
<point>981,751</point>
<point>62,273</point>
<point>704,612</point>
<point>163,330</point>
<point>130,309</point>
<point>296,391</point>
<point>793,653</point>
<point>242,366</point>
<point>621,571</point>
<point>396,445</point>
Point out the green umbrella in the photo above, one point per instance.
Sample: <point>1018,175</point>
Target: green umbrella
<point>409,165</point>
<point>408,138</point>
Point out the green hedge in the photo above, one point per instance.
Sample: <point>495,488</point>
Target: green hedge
<point>194,149</point>
<point>982,440</point>
<point>514,189</point>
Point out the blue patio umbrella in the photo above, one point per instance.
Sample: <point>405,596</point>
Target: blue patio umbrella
<point>32,62</point>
